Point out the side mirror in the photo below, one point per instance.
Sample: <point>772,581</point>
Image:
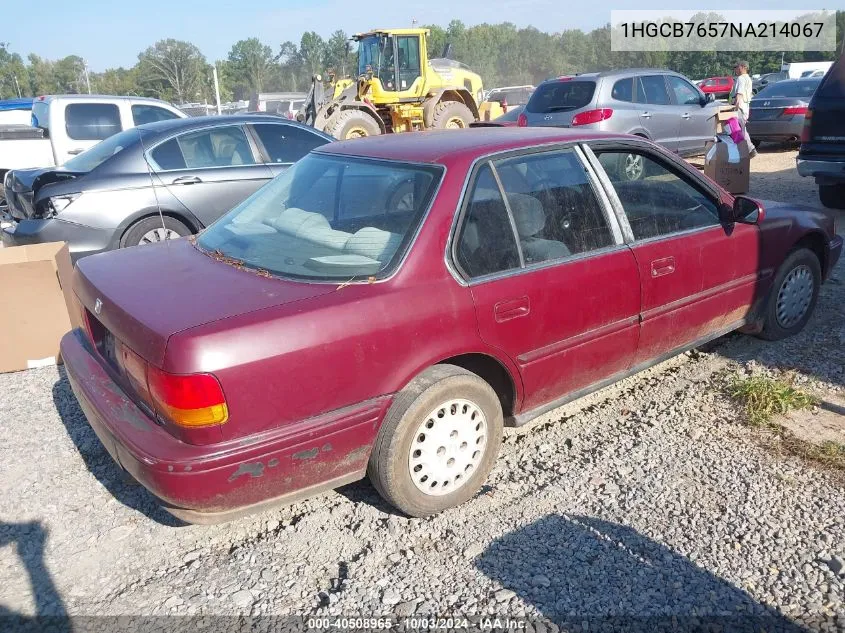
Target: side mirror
<point>745,210</point>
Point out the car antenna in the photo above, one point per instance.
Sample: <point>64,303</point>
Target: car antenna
<point>152,183</point>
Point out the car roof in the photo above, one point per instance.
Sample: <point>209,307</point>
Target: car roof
<point>195,122</point>
<point>99,98</point>
<point>443,146</point>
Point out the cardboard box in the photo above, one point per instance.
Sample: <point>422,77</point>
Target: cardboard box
<point>729,164</point>
<point>37,304</point>
<point>724,113</point>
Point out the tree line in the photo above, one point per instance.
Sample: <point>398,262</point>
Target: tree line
<point>177,71</point>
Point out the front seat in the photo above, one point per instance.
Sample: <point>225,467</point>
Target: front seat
<point>530,219</point>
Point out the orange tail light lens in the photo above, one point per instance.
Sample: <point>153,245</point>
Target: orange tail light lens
<point>191,401</point>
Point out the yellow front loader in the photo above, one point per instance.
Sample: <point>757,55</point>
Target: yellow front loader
<point>399,89</point>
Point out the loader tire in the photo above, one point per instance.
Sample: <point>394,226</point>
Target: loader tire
<point>451,115</point>
<point>350,124</point>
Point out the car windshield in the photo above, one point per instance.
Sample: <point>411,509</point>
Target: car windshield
<point>102,151</point>
<point>560,96</point>
<point>801,89</point>
<point>327,217</point>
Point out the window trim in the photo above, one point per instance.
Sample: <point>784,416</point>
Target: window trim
<point>256,155</point>
<point>671,164</point>
<point>604,202</point>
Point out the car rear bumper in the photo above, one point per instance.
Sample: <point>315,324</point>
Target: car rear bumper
<point>775,130</point>
<point>824,171</point>
<point>218,482</point>
<point>82,240</point>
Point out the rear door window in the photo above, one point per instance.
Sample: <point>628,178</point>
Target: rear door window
<point>560,96</point>
<point>623,90</point>
<point>286,143</point>
<point>92,121</point>
<point>652,89</point>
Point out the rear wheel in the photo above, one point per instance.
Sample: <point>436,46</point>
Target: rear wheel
<point>832,196</point>
<point>351,124</point>
<point>793,295</point>
<point>438,442</point>
<point>153,229</point>
<point>451,115</point>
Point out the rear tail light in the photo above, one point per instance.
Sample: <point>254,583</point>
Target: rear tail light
<point>795,110</point>
<point>591,116</point>
<point>188,400</point>
<point>522,120</point>
<point>806,136</point>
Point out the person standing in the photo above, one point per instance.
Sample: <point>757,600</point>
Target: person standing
<point>741,94</point>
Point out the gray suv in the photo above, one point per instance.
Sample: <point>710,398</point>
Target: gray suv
<point>660,105</point>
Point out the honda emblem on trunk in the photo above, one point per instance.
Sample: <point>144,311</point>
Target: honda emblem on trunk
<point>765,103</point>
<point>98,306</point>
<point>548,117</point>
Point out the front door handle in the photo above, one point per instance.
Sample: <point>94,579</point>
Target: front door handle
<point>511,309</point>
<point>661,267</point>
<point>685,115</point>
<point>74,152</point>
<point>646,115</point>
<point>187,180</point>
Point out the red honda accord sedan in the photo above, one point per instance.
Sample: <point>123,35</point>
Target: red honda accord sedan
<point>388,304</point>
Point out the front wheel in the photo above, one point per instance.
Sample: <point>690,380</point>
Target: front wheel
<point>793,296</point>
<point>350,124</point>
<point>451,115</point>
<point>438,442</point>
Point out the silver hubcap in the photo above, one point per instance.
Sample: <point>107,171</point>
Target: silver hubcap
<point>447,447</point>
<point>633,167</point>
<point>158,235</point>
<point>794,296</point>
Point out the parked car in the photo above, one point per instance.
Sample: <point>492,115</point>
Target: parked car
<point>777,112</point>
<point>769,78</point>
<point>509,119</point>
<point>156,182</point>
<point>500,101</point>
<point>719,87</point>
<point>659,105</point>
<point>822,151</point>
<point>286,104</point>
<point>796,70</point>
<point>322,330</point>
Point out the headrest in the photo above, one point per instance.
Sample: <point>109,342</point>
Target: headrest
<point>528,214</point>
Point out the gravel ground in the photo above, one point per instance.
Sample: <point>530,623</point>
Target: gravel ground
<point>649,499</point>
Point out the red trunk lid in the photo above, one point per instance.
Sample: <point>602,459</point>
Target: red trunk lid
<point>148,293</point>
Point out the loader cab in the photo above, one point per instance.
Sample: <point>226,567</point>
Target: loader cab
<point>394,58</point>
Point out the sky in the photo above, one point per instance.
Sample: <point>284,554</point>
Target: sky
<point>109,34</point>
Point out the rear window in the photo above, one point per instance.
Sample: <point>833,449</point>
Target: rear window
<point>560,96</point>
<point>802,89</point>
<point>328,217</point>
<point>833,84</point>
<point>101,152</point>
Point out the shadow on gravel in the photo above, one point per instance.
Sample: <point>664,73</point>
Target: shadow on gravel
<point>119,483</point>
<point>583,573</point>
<point>29,539</point>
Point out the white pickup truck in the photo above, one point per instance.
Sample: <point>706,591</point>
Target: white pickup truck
<point>67,125</point>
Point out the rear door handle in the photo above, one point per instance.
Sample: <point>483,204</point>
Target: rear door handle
<point>685,115</point>
<point>74,152</point>
<point>187,180</point>
<point>661,267</point>
<point>511,309</point>
<point>646,115</point>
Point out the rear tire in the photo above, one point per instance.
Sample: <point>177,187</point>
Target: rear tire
<point>793,296</point>
<point>149,230</point>
<point>438,442</point>
<point>351,124</point>
<point>451,115</point>
<point>832,196</point>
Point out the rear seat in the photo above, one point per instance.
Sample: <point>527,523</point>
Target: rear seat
<point>315,228</point>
